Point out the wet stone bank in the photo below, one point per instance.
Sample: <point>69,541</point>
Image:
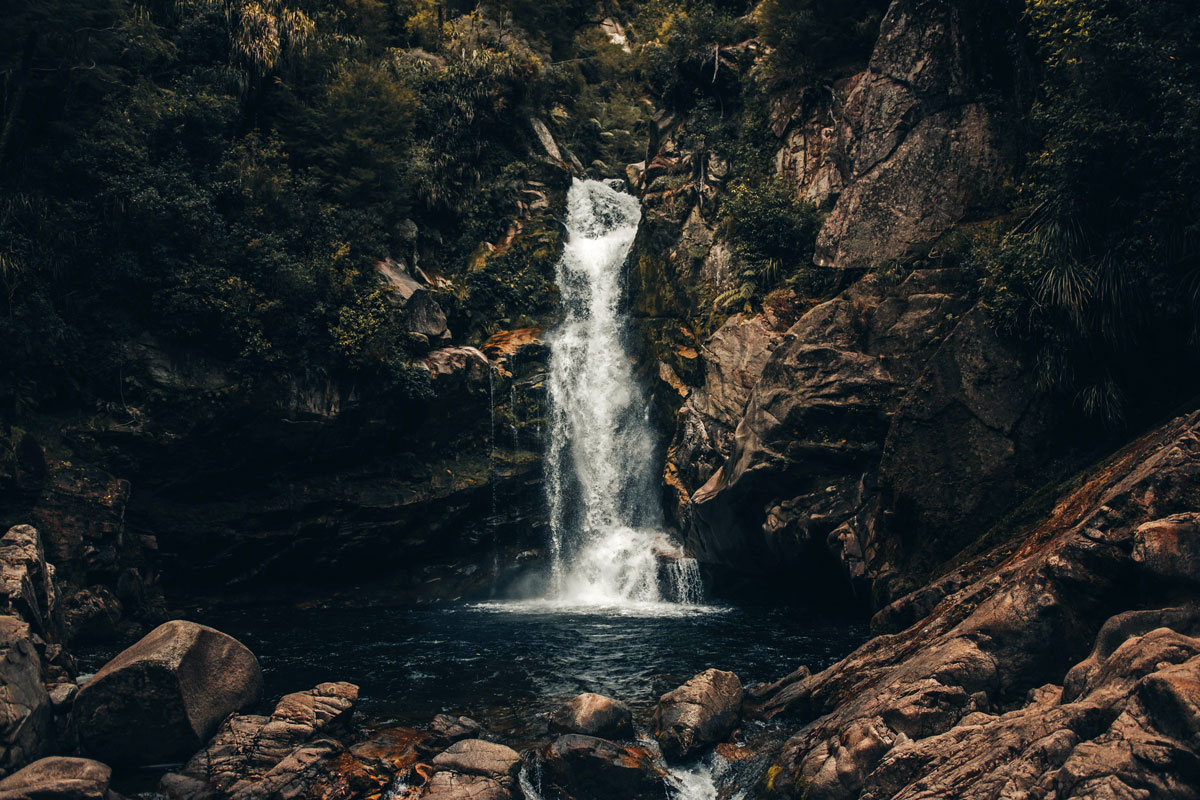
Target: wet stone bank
<point>513,671</point>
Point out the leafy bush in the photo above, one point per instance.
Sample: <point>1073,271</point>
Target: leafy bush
<point>810,38</point>
<point>682,59</point>
<point>1102,276</point>
<point>772,236</point>
<point>222,176</point>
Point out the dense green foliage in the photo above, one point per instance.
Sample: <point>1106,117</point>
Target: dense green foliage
<point>1103,274</point>
<point>811,39</point>
<point>219,176</point>
<point>771,235</point>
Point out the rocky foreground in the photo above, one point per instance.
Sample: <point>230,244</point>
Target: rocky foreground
<point>1064,663</point>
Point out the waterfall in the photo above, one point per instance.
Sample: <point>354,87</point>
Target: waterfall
<point>607,545</point>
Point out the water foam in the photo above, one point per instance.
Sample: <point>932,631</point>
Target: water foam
<point>607,545</point>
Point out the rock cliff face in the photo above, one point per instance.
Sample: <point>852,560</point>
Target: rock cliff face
<point>412,499</point>
<point>888,408</point>
<point>301,489</point>
<point>815,439</point>
<point>37,681</point>
<point>803,470</point>
<point>916,145</point>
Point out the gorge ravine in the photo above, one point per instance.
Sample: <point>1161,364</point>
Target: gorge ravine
<point>911,300</point>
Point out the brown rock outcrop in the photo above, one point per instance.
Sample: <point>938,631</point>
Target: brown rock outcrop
<point>702,712</point>
<point>280,755</point>
<point>918,148</point>
<point>26,726</point>
<point>734,358</point>
<point>165,696</point>
<point>33,715</point>
<point>27,580</point>
<point>58,778</point>
<point>995,693</point>
<point>902,364</point>
<point>464,366</point>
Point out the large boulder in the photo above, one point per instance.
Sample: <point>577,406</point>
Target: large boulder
<point>449,785</point>
<point>58,778</point>
<point>703,711</point>
<point>587,768</point>
<point>422,315</point>
<point>474,769</point>
<point>419,312</point>
<point>280,755</point>
<point>593,715</point>
<point>165,696</point>
<point>479,757</point>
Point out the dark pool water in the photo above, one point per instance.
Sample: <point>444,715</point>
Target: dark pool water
<point>508,664</point>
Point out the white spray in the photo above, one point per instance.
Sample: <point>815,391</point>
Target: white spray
<point>605,517</point>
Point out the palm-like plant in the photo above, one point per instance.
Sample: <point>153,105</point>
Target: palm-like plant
<point>264,32</point>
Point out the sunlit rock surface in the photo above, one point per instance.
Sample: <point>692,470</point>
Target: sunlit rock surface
<point>1042,673</point>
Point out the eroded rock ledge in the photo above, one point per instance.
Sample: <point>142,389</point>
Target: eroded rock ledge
<point>1068,670</point>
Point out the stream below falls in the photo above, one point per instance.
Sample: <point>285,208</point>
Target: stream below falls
<point>508,664</point>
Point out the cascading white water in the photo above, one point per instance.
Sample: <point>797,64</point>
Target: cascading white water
<point>607,543</point>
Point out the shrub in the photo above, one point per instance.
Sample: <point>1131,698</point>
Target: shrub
<point>772,235</point>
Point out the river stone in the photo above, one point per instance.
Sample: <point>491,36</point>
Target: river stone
<point>588,768</point>
<point>58,778</point>
<point>253,756</point>
<point>166,695</point>
<point>457,786</point>
<point>593,715</point>
<point>473,769</point>
<point>477,757</point>
<point>703,711</point>
<point>447,729</point>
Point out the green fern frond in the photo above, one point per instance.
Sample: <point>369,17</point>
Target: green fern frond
<point>1104,401</point>
<point>1067,284</point>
